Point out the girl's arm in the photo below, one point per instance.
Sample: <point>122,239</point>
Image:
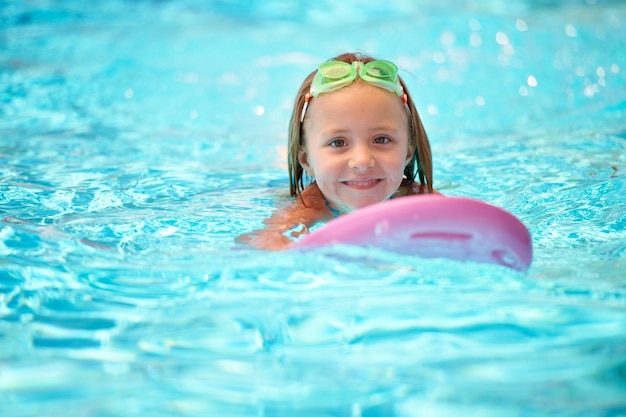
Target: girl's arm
<point>291,221</point>
<point>295,219</point>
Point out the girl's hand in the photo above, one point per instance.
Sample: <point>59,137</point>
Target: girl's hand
<point>272,238</point>
<point>267,241</point>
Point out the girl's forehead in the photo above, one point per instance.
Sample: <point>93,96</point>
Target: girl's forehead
<point>358,101</point>
<point>358,89</point>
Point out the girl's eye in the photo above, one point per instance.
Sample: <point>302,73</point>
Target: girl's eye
<point>338,143</point>
<point>382,140</point>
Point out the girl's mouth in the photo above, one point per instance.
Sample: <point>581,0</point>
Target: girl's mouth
<point>362,183</point>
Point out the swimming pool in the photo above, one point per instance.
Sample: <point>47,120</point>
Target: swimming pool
<point>139,138</point>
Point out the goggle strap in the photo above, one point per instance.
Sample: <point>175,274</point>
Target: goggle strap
<point>307,98</point>
<point>405,100</point>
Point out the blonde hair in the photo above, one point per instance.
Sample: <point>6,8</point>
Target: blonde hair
<point>421,165</point>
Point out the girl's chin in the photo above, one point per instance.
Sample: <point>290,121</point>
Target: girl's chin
<point>346,202</point>
<point>355,205</point>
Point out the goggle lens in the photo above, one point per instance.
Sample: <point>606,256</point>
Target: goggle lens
<point>333,70</point>
<point>383,70</point>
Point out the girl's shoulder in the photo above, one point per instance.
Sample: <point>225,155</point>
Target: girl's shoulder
<point>312,197</point>
<point>308,207</point>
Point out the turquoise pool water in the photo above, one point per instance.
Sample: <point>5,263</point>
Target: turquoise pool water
<point>138,138</point>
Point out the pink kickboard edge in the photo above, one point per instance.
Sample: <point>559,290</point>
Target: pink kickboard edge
<point>432,226</point>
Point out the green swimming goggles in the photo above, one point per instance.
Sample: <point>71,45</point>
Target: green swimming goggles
<point>333,75</point>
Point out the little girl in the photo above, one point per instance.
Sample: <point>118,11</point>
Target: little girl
<point>357,137</point>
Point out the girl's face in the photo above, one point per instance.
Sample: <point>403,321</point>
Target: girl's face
<point>356,145</point>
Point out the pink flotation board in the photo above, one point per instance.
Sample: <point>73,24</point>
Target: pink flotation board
<point>432,226</point>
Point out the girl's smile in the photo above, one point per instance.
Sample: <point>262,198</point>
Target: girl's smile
<point>356,145</point>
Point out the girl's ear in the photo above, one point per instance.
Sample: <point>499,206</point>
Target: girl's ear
<point>304,161</point>
<point>409,156</point>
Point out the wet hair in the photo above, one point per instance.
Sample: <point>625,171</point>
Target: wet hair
<point>420,166</point>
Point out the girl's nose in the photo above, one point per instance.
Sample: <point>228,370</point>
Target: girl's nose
<point>361,159</point>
